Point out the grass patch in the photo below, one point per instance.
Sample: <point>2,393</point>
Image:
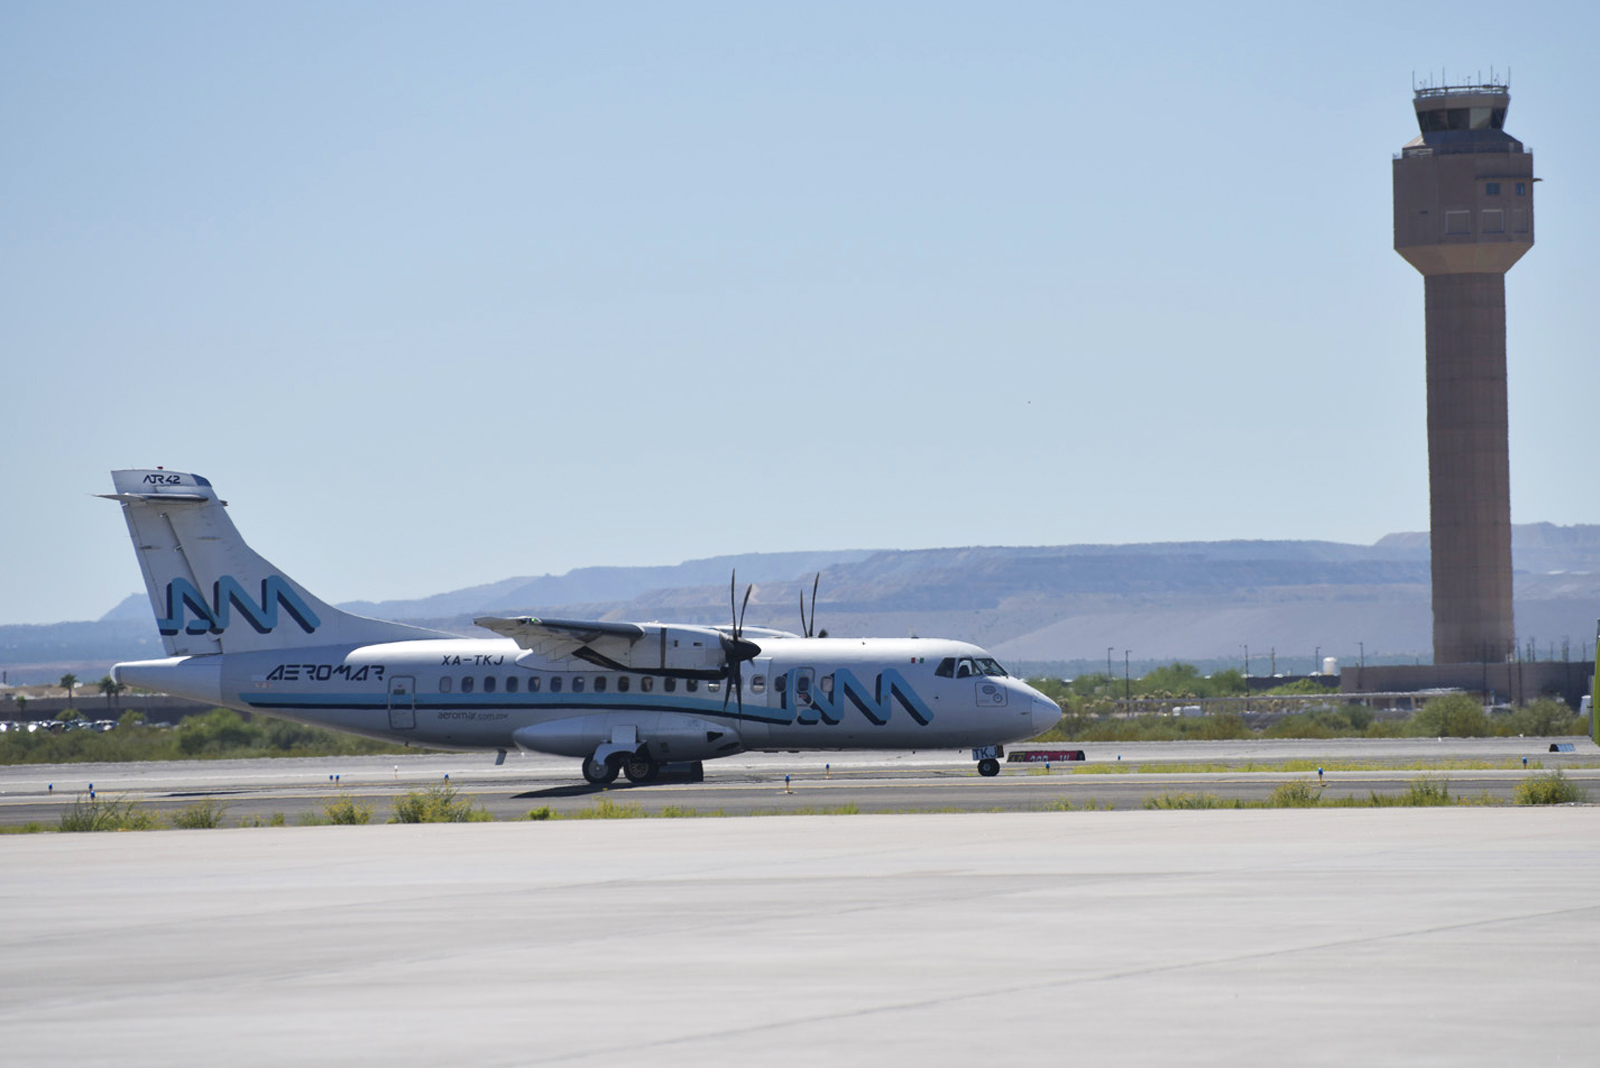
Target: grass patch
<point>202,815</point>
<point>607,809</point>
<point>32,827</point>
<point>107,814</point>
<point>277,819</point>
<point>437,804</point>
<point>1189,800</point>
<point>220,734</point>
<point>1549,788</point>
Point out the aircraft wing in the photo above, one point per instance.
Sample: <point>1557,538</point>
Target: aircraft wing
<point>556,639</point>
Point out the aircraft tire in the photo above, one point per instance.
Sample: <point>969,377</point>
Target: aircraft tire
<point>597,773</point>
<point>989,768</point>
<point>640,769</point>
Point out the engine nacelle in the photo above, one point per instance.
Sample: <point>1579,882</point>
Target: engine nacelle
<point>666,736</point>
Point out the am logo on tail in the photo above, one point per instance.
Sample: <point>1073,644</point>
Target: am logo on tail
<point>621,697</point>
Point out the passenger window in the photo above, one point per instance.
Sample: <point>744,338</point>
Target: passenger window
<point>599,684</point>
<point>533,684</point>
<point>780,683</point>
<point>511,684</point>
<point>622,684</point>
<point>758,683</point>
<point>714,687</point>
<point>670,685</point>
<point>691,685</point>
<point>826,682</point>
<point>466,684</point>
<point>555,683</point>
<point>488,684</point>
<point>577,684</point>
<point>647,684</point>
<point>946,668</point>
<point>444,684</point>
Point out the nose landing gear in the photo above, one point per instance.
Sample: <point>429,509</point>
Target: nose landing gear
<point>988,758</point>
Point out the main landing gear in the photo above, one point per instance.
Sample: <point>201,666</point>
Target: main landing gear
<point>638,767</point>
<point>601,772</point>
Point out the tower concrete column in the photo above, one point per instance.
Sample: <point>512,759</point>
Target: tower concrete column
<point>1468,468</point>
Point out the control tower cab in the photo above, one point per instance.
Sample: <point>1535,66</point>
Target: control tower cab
<point>1463,188</point>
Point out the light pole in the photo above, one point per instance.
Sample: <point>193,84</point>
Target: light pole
<point>1108,666</point>
<point>1127,680</point>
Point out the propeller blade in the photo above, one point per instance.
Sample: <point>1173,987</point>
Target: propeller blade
<point>811,628</point>
<point>739,626</point>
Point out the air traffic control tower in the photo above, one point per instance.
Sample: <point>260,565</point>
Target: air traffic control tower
<point>1463,214</point>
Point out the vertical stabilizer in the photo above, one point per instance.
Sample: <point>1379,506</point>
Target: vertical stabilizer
<point>212,593</point>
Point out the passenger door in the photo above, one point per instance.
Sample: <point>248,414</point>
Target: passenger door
<point>402,703</point>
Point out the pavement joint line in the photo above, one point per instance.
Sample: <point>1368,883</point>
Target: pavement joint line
<point>1043,984</point>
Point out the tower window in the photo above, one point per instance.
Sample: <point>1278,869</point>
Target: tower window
<point>1492,221</point>
<point>1492,188</point>
<point>1522,189</point>
<point>1458,222</point>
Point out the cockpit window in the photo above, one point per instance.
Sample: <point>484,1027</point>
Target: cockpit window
<point>946,668</point>
<point>989,666</point>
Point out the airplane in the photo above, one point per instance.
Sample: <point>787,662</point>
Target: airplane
<point>626,698</point>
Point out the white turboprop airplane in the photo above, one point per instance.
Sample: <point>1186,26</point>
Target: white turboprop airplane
<point>626,697</point>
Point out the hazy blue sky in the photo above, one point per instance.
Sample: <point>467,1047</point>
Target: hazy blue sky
<point>441,294</point>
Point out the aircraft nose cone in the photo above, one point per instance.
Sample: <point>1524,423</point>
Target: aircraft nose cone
<point>1045,713</point>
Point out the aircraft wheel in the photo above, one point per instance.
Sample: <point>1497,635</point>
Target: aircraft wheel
<point>640,768</point>
<point>989,768</point>
<point>598,773</point>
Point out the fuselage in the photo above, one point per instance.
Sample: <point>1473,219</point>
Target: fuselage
<point>798,693</point>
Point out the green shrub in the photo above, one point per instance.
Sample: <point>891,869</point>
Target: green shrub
<point>1549,788</point>
<point>1428,790</point>
<point>202,815</point>
<point>1454,715</point>
<point>106,814</point>
<point>543,812</point>
<point>1544,718</point>
<point>1297,794</point>
<point>436,804</point>
<point>345,810</point>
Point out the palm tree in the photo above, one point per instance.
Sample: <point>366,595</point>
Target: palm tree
<point>110,688</point>
<point>68,681</point>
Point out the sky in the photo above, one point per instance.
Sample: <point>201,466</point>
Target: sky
<point>438,295</point>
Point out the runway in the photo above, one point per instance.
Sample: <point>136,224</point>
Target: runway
<point>1117,776</point>
<point>1462,936</point>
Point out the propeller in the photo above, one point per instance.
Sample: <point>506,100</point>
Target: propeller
<point>809,627</point>
<point>736,650</point>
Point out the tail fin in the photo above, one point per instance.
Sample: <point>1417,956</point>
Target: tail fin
<point>210,591</point>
